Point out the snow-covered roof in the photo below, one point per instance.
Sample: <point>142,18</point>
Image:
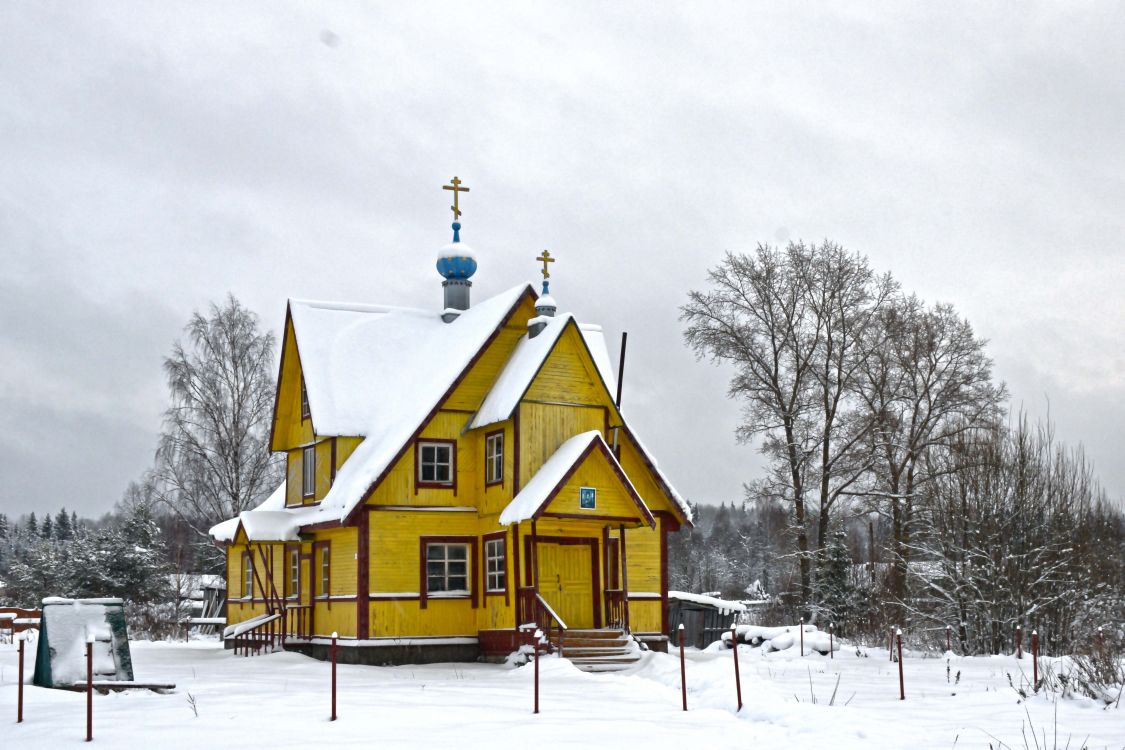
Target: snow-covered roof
<point>554,472</point>
<point>722,605</point>
<point>345,351</point>
<point>524,364</point>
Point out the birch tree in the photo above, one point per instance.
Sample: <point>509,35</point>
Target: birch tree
<point>213,459</point>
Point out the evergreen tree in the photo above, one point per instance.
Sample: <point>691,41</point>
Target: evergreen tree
<point>838,596</point>
<point>63,529</point>
<point>74,527</point>
<point>3,528</point>
<point>32,526</point>
<point>47,530</point>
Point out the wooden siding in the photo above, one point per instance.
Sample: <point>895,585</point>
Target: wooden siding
<point>569,374</point>
<point>289,430</point>
<point>612,499</point>
<point>470,392</point>
<point>544,427</point>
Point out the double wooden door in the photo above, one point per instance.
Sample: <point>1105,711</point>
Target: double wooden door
<point>566,581</point>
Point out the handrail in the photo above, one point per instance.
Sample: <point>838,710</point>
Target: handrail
<point>550,611</point>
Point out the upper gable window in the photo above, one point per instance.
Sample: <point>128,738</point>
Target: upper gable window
<point>304,400</point>
<point>308,472</point>
<point>435,462</point>
<point>494,458</point>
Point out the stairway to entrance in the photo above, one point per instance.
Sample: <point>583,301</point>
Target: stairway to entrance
<point>602,650</point>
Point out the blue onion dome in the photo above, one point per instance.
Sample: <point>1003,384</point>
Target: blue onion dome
<point>456,260</point>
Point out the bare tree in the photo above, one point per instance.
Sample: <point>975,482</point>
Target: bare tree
<point>925,381</point>
<point>794,324</point>
<point>213,460</point>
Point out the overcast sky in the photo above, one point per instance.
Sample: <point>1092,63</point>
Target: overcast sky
<point>154,156</point>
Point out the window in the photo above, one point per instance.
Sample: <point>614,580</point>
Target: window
<point>447,569</point>
<point>494,458</point>
<point>325,570</point>
<point>435,463</point>
<point>247,577</point>
<point>495,566</point>
<point>308,472</point>
<point>304,400</point>
<point>294,573</point>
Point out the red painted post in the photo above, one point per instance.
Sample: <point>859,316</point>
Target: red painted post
<point>891,644</point>
<point>901,684</point>
<point>831,631</point>
<point>19,680</point>
<point>802,629</point>
<point>948,638</point>
<point>1019,642</point>
<point>538,635</point>
<point>90,688</point>
<point>683,668</point>
<point>1035,659</point>
<point>334,637</point>
<point>737,679</point>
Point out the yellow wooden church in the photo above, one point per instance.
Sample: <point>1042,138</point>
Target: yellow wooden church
<point>456,477</point>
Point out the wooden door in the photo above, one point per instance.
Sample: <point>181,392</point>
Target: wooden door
<point>566,581</point>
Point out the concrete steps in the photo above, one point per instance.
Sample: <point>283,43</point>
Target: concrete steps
<point>605,650</point>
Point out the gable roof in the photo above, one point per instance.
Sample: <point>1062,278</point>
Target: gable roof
<point>526,361</point>
<point>345,351</point>
<point>538,493</point>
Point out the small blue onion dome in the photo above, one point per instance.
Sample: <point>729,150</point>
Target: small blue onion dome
<point>456,260</point>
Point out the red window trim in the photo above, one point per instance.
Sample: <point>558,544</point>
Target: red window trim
<point>290,549</point>
<point>474,566</point>
<point>502,537</point>
<point>488,463</point>
<point>317,576</point>
<point>452,483</point>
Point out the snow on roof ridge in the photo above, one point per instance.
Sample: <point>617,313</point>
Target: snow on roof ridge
<point>554,470</point>
<point>361,307</point>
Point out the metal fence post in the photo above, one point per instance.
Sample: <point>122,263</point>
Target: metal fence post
<point>831,640</point>
<point>1035,659</point>
<point>901,684</point>
<point>89,688</point>
<point>536,638</point>
<point>683,669</point>
<point>19,680</point>
<point>334,637</point>
<point>1019,642</point>
<point>737,679</point>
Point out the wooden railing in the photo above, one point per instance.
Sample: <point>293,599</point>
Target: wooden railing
<point>533,612</point>
<point>298,620</point>
<point>617,609</point>
<point>261,633</point>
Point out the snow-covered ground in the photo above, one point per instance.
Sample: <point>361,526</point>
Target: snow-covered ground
<point>282,700</point>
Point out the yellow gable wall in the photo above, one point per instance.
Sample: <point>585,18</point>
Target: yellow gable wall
<point>470,392</point>
<point>289,429</point>
<point>569,374</point>
<point>612,499</point>
<point>544,427</point>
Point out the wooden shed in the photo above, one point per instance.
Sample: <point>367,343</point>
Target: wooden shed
<point>705,618</point>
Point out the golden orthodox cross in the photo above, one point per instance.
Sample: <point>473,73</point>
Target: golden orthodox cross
<point>546,258</point>
<point>455,186</point>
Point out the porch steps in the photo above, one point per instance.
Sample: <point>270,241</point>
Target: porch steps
<point>605,650</point>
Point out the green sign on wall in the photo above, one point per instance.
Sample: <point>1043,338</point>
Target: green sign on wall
<point>587,498</point>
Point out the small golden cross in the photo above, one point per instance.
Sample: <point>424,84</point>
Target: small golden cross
<point>456,188</point>
<point>546,258</point>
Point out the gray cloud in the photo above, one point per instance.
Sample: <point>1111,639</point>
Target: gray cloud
<point>154,156</point>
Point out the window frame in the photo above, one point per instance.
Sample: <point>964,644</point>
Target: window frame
<point>306,412</point>
<point>308,471</point>
<point>493,460</point>
<point>248,576</point>
<point>501,538</point>
<point>293,571</point>
<point>423,443</point>
<point>472,568</point>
